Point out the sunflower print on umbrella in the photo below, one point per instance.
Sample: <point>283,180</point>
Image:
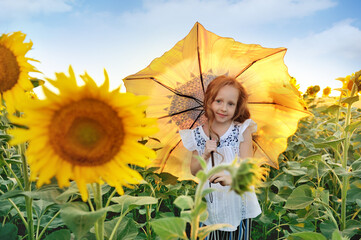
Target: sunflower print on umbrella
<point>186,106</point>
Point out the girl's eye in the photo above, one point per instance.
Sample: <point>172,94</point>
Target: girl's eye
<point>231,104</point>
<point>218,101</point>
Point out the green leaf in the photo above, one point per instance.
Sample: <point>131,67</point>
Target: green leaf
<point>358,201</point>
<point>202,207</point>
<point>332,109</point>
<point>356,168</point>
<point>186,215</point>
<point>5,206</point>
<point>71,190</point>
<point>56,223</point>
<point>204,213</point>
<point>8,231</point>
<point>204,231</point>
<point>300,198</point>
<point>333,144</point>
<point>169,228</point>
<point>353,126</point>
<point>208,191</point>
<point>77,217</point>
<point>184,202</point>
<point>354,192</point>
<point>282,184</point>
<point>295,172</point>
<point>201,175</point>
<point>267,218</point>
<point>15,193</point>
<point>336,235</point>
<point>307,236</point>
<point>352,228</point>
<point>294,169</point>
<point>315,157</point>
<point>63,234</point>
<point>327,227</point>
<point>48,192</point>
<point>168,178</point>
<point>126,229</point>
<point>5,137</point>
<point>306,226</point>
<point>126,201</point>
<point>40,207</point>
<point>202,162</point>
<point>350,100</point>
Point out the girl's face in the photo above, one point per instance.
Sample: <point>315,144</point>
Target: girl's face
<point>224,105</point>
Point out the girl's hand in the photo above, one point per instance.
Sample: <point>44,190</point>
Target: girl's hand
<point>221,178</point>
<point>211,146</point>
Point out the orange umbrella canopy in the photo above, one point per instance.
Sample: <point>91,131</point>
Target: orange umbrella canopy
<point>176,83</point>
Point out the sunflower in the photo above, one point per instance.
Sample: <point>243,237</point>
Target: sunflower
<point>326,92</point>
<point>85,133</point>
<point>14,69</point>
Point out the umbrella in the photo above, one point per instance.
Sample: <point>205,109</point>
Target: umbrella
<point>176,82</point>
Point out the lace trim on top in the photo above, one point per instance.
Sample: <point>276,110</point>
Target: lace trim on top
<point>231,139</point>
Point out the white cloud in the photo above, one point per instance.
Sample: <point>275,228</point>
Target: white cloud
<point>226,11</point>
<point>321,57</point>
<point>15,9</point>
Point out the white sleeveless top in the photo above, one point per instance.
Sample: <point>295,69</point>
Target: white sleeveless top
<point>227,206</point>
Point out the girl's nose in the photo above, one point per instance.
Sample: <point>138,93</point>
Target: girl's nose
<point>224,107</point>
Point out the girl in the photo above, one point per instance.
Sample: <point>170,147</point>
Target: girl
<point>228,133</point>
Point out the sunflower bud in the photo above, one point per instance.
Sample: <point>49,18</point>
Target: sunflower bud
<point>246,175</point>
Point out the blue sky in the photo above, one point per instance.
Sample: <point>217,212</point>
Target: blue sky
<point>323,37</point>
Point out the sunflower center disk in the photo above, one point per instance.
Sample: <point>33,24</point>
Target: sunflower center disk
<point>87,132</point>
<point>9,69</point>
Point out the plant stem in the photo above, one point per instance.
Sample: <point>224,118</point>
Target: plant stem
<point>18,210</point>
<point>148,217</point>
<point>117,224</point>
<point>198,199</point>
<point>99,205</point>
<point>27,187</point>
<point>110,198</point>
<point>12,172</point>
<point>51,220</point>
<point>344,164</point>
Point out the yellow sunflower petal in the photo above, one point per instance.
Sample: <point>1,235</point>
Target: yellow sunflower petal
<point>83,133</point>
<point>14,69</point>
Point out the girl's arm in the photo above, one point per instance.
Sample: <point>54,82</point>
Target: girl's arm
<point>245,147</point>
<point>211,145</point>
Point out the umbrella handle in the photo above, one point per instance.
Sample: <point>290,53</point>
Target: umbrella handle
<point>212,153</point>
<point>212,158</point>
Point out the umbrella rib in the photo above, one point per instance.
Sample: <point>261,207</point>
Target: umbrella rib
<point>249,65</point>
<point>170,89</point>
<point>199,62</point>
<point>170,151</point>
<point>199,115</point>
<point>168,154</point>
<point>273,103</point>
<point>264,152</point>
<point>177,113</point>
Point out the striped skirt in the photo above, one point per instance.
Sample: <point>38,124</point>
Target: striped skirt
<point>243,232</point>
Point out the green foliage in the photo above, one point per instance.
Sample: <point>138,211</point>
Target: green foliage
<point>319,175</point>
<point>315,194</point>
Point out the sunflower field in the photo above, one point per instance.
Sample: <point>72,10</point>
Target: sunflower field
<point>75,165</point>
